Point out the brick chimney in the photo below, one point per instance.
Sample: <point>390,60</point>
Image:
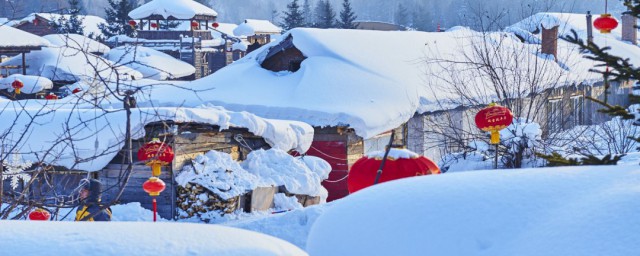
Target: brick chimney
<point>550,41</point>
<point>629,30</point>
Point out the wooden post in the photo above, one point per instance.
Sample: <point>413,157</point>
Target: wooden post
<point>24,64</point>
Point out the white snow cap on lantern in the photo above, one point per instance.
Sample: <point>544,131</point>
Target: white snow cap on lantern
<point>394,153</point>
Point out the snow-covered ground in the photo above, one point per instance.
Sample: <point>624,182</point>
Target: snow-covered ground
<point>136,238</point>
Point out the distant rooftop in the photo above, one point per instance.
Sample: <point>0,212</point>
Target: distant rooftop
<point>173,9</point>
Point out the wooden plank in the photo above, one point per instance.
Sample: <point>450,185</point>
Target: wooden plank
<point>262,198</point>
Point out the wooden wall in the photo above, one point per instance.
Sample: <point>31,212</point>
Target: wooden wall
<point>42,29</point>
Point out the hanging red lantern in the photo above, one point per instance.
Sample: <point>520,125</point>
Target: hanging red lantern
<point>605,23</point>
<point>35,21</point>
<point>154,25</point>
<point>39,214</point>
<point>407,164</point>
<point>493,119</point>
<point>154,186</point>
<point>133,23</point>
<point>76,90</point>
<point>51,96</point>
<point>156,154</point>
<point>17,85</point>
<point>195,25</point>
<point>215,25</point>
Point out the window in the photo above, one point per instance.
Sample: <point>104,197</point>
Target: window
<point>576,105</point>
<point>554,115</point>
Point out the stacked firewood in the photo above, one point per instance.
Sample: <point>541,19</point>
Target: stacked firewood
<point>195,200</point>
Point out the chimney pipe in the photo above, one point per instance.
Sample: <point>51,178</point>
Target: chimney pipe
<point>629,28</point>
<point>550,41</point>
<point>589,27</point>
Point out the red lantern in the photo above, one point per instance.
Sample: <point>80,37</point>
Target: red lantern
<point>153,186</point>
<point>194,25</point>
<point>132,23</point>
<point>51,96</point>
<point>76,90</point>
<point>154,25</point>
<point>35,21</point>
<point>17,85</point>
<point>156,154</point>
<point>605,23</point>
<point>493,119</point>
<point>363,172</point>
<point>39,214</point>
<point>215,25</point>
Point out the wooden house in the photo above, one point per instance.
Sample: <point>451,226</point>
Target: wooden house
<point>20,43</point>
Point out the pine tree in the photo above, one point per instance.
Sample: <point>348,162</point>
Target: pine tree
<point>401,16</point>
<point>117,19</point>
<point>72,24</point>
<point>325,15</point>
<point>307,13</point>
<point>347,16</point>
<point>293,16</point>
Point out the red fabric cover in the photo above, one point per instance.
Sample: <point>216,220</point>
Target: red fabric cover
<point>363,172</point>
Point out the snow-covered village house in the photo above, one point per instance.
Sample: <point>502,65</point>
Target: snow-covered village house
<point>400,81</point>
<point>41,24</point>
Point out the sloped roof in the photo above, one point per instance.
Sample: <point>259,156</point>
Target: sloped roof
<point>178,9</point>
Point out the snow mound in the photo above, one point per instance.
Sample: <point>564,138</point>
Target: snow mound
<point>179,9</point>
<point>563,211</point>
<point>151,63</point>
<point>394,153</point>
<point>220,174</point>
<point>143,238</point>
<point>78,42</point>
<point>251,27</point>
<point>279,168</point>
<point>32,84</point>
<point>292,226</point>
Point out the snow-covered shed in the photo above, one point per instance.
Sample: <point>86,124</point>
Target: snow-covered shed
<point>95,140</point>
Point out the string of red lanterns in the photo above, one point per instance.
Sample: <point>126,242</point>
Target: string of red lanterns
<point>156,154</point>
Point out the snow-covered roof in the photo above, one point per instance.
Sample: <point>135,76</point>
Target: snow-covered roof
<point>70,64</point>
<point>143,238</point>
<point>226,28</point>
<point>151,63</point>
<point>374,81</point>
<point>178,9</point>
<point>76,41</point>
<point>251,27</point>
<point>17,38</point>
<point>90,22</point>
<point>86,124</point>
